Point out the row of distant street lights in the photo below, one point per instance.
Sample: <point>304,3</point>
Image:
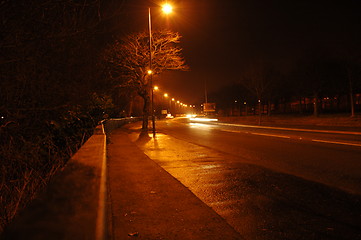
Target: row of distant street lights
<point>172,99</point>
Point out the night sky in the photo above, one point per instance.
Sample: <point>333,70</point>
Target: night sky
<point>221,37</point>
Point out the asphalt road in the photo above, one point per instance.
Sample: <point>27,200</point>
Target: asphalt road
<point>267,183</point>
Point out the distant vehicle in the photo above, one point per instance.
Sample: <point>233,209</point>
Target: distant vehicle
<point>202,118</point>
<point>169,116</point>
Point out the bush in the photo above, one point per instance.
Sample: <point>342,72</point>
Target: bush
<point>32,149</point>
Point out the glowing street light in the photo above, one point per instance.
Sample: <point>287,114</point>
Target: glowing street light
<point>167,8</point>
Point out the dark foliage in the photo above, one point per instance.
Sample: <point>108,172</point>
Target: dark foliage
<point>52,91</point>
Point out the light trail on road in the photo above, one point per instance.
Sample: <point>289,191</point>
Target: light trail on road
<point>298,138</point>
<point>271,135</point>
<point>291,129</point>
<point>342,143</point>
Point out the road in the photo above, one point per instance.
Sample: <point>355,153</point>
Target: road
<point>268,183</point>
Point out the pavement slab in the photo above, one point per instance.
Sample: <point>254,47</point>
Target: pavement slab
<point>146,202</point>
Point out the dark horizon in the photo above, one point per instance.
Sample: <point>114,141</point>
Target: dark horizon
<point>222,38</point>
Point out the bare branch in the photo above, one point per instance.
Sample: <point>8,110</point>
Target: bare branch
<point>129,59</point>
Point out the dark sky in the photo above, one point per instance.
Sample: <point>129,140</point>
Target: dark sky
<point>221,37</point>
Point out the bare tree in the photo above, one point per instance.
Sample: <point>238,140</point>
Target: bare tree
<point>352,62</point>
<point>129,62</point>
<point>255,79</point>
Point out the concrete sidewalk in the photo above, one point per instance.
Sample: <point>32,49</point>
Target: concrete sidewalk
<point>146,202</point>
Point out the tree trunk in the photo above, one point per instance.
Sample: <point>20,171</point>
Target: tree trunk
<point>284,106</point>
<point>260,113</point>
<point>352,102</point>
<point>315,104</point>
<point>146,99</point>
<point>130,107</point>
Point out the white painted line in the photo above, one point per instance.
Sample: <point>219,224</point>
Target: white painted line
<point>100,221</point>
<point>342,143</point>
<point>271,135</point>
<point>231,131</point>
<point>290,129</point>
<point>261,134</point>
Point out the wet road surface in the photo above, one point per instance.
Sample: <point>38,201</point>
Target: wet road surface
<point>266,187</point>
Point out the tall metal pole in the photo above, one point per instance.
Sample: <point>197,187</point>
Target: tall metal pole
<point>205,91</point>
<point>150,68</point>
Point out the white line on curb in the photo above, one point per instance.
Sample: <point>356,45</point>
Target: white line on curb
<point>100,221</point>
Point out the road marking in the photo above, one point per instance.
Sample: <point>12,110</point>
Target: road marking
<point>300,138</point>
<point>290,129</point>
<point>231,131</point>
<point>271,135</point>
<point>342,143</point>
<point>261,134</point>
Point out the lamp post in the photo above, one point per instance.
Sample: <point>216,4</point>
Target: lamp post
<point>170,107</point>
<point>165,100</point>
<point>150,71</point>
<point>167,9</point>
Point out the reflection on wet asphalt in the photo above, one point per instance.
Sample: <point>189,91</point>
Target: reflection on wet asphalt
<point>257,202</point>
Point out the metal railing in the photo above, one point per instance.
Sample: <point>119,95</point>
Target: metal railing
<point>114,123</point>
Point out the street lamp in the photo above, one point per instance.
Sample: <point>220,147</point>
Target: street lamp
<point>170,107</point>
<point>165,99</point>
<point>245,104</point>
<point>167,8</point>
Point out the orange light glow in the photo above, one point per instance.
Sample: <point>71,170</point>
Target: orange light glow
<point>204,119</point>
<point>167,8</point>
